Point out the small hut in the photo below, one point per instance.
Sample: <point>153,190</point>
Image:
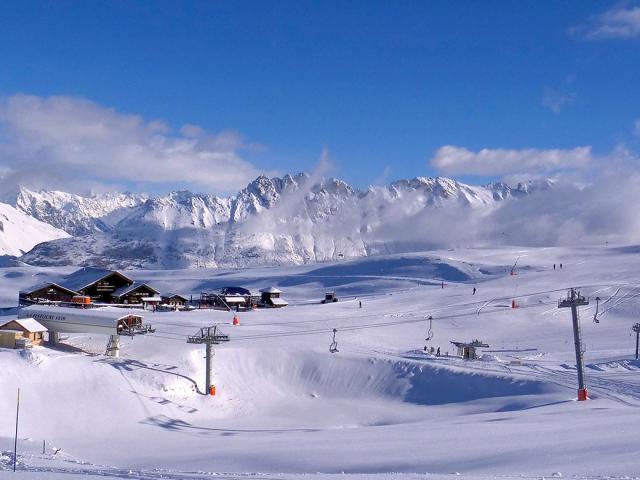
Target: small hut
<point>28,328</point>
<point>468,351</point>
<point>270,297</point>
<point>174,299</point>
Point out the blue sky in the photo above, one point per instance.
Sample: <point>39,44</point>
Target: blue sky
<point>381,85</point>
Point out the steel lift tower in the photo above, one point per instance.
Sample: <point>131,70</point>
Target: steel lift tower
<point>636,328</point>
<point>209,336</point>
<point>573,301</point>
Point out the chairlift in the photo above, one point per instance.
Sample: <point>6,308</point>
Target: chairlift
<point>333,348</point>
<point>429,332</point>
<point>595,315</point>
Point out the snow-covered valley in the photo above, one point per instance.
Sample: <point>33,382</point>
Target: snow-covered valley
<point>378,408</point>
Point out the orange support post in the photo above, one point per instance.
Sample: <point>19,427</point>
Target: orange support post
<point>582,394</point>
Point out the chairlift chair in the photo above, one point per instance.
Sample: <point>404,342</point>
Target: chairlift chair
<point>333,348</point>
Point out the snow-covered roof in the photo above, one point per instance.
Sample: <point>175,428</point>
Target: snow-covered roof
<point>29,324</point>
<point>171,295</point>
<point>234,291</point>
<point>78,320</point>
<point>87,276</point>
<point>278,301</point>
<point>40,286</point>
<point>270,290</point>
<point>122,291</point>
<point>151,299</point>
<point>234,299</point>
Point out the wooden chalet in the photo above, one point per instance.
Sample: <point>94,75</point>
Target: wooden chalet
<point>134,293</point>
<point>45,292</point>
<point>97,283</point>
<point>228,298</point>
<point>270,297</point>
<point>22,328</point>
<point>174,299</point>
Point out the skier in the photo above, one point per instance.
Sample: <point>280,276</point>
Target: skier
<point>554,266</point>
<point>474,290</point>
<point>360,303</point>
<point>560,266</point>
<point>438,352</point>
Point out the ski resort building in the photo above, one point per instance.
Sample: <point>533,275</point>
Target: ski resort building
<point>270,297</point>
<point>45,292</point>
<point>174,299</point>
<point>98,284</point>
<point>21,332</point>
<point>228,298</point>
<point>134,293</point>
<point>107,320</point>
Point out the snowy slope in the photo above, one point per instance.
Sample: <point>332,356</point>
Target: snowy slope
<point>288,220</point>
<point>19,232</point>
<point>287,407</point>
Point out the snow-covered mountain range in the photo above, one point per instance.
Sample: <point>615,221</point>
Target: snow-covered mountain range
<point>75,214</point>
<point>20,232</point>
<point>289,220</point>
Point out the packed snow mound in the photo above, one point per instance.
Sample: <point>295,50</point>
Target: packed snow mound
<point>19,232</point>
<point>291,220</point>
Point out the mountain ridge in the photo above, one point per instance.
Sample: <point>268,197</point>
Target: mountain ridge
<point>292,219</point>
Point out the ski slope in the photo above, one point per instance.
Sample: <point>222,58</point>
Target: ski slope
<point>379,408</point>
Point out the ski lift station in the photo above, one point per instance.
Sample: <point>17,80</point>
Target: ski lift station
<point>469,351</point>
<point>106,321</point>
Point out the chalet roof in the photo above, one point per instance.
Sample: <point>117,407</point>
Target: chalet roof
<point>234,299</point>
<point>29,324</point>
<point>87,276</point>
<point>234,291</point>
<point>40,286</point>
<point>270,290</point>
<point>151,299</point>
<point>171,295</point>
<point>122,291</point>
<point>278,301</point>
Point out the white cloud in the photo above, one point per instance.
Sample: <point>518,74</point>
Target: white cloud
<point>453,160</point>
<point>74,143</point>
<point>556,101</point>
<point>619,22</point>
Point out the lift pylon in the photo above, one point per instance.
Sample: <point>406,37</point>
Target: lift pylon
<point>209,336</point>
<point>573,301</point>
